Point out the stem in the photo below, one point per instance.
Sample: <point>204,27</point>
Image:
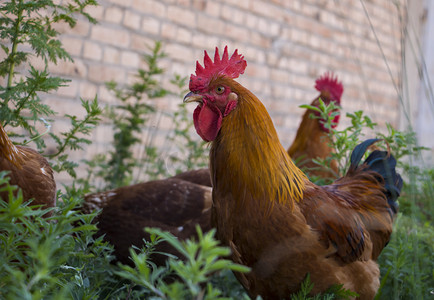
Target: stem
<point>70,136</point>
<point>15,43</point>
<point>21,105</point>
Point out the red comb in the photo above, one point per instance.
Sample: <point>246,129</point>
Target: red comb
<point>328,82</point>
<point>230,67</point>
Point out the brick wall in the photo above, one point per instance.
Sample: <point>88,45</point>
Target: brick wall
<point>287,44</point>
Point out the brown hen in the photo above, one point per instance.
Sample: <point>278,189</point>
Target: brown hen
<point>28,170</point>
<point>172,204</point>
<point>312,140</point>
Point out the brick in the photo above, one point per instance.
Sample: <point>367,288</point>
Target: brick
<point>168,31</point>
<point>101,74</point>
<point>130,59</point>
<point>279,75</point>
<point>252,21</point>
<point>253,54</point>
<point>72,45</point>
<point>70,90</point>
<point>61,27</point>
<point>73,69</point>
<point>210,25</point>
<point>105,96</point>
<point>267,9</point>
<point>233,15</point>
<point>211,42</point>
<point>274,29</point>
<point>166,122</point>
<point>140,43</point>
<point>184,36</point>
<point>111,36</point>
<point>237,33</point>
<point>152,7</point>
<point>132,20</point>
<point>63,107</point>
<point>95,11</point>
<point>197,4</point>
<point>104,130</point>
<point>151,25</point>
<point>213,8</point>
<point>259,40</point>
<point>181,16</point>
<point>122,2</point>
<point>114,14</point>
<point>81,28</point>
<point>179,52</point>
<point>272,58</point>
<point>263,26</point>
<point>258,71</point>
<point>111,55</point>
<point>92,51</point>
<point>131,78</point>
<point>87,90</point>
<point>240,3</point>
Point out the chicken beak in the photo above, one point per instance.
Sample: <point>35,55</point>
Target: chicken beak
<point>192,97</point>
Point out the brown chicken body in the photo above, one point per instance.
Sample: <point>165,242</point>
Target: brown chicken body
<point>172,204</point>
<point>266,210</point>
<point>95,201</point>
<point>200,176</point>
<point>28,170</point>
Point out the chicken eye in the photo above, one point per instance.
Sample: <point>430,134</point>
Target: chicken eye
<point>220,90</point>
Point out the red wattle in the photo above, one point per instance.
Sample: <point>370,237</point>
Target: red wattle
<point>207,121</point>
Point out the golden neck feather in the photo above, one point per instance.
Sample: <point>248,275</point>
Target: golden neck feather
<point>248,158</point>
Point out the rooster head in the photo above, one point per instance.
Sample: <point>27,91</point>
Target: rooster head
<point>216,99</point>
<point>331,90</point>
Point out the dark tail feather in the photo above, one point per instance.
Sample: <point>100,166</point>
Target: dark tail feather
<point>384,164</point>
<point>359,151</point>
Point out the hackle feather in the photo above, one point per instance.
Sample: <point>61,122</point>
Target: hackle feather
<point>249,145</point>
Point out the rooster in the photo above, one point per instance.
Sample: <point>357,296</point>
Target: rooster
<point>116,215</point>
<point>28,170</point>
<point>265,209</point>
<point>312,139</point>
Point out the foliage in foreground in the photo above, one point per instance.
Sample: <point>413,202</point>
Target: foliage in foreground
<point>49,257</point>
<point>59,258</point>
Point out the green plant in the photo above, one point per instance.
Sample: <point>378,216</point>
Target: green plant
<point>201,258</point>
<point>49,258</point>
<point>31,23</point>
<point>131,118</point>
<point>344,140</point>
<point>334,292</point>
<point>406,263</point>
